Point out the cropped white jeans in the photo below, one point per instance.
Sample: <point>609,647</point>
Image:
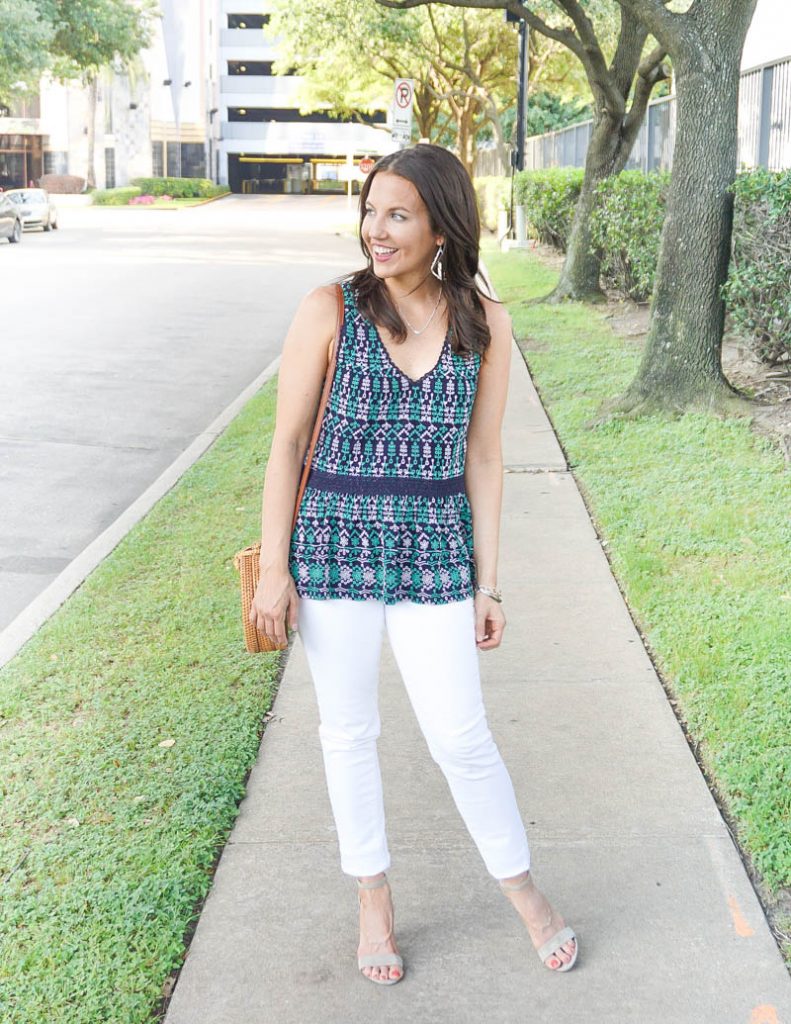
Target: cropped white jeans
<point>434,647</point>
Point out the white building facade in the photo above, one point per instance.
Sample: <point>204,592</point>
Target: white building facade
<point>201,101</point>
<point>259,140</point>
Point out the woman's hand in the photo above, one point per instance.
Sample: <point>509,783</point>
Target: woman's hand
<point>489,622</point>
<point>274,604</point>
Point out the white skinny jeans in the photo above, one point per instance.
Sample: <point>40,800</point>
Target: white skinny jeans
<point>434,647</point>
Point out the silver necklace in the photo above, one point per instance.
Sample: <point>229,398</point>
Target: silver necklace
<point>426,324</point>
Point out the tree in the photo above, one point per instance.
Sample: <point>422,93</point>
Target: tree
<point>620,88</point>
<point>91,34</point>
<point>24,38</point>
<point>463,63</point>
<point>682,364</point>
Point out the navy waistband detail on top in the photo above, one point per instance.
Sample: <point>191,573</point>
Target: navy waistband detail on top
<point>353,484</point>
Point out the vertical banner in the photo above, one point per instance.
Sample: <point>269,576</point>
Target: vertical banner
<point>403,95</point>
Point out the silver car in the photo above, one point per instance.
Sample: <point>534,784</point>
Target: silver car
<point>35,208</point>
<point>10,221</point>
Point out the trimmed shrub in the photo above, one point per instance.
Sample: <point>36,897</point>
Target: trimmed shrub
<point>493,194</point>
<point>626,225</point>
<point>757,290</point>
<point>179,188</point>
<point>549,198</point>
<point>115,196</point>
<point>62,184</point>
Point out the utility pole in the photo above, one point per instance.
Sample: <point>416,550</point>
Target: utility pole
<point>518,150</point>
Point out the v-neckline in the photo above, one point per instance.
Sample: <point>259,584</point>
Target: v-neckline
<point>406,376</point>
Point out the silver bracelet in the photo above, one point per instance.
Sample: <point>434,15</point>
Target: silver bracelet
<point>494,592</point>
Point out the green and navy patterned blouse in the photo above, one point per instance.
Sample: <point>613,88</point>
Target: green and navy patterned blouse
<point>385,514</point>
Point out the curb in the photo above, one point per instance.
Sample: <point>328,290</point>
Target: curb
<point>41,608</point>
<point>169,209</point>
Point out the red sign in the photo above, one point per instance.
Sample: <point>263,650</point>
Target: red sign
<point>403,94</point>
<point>366,165</point>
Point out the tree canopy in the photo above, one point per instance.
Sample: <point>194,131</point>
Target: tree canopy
<point>69,38</point>
<point>463,63</point>
<point>24,40</point>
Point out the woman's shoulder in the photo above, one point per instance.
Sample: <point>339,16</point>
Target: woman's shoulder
<point>321,299</point>
<point>497,316</point>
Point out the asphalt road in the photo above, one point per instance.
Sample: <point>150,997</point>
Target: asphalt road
<point>122,336</point>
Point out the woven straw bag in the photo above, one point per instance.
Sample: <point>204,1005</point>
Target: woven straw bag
<point>247,560</point>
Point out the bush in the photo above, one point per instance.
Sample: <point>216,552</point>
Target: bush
<point>115,196</point>
<point>549,198</point>
<point>62,184</point>
<point>179,188</point>
<point>493,194</point>
<point>757,291</point>
<point>626,225</point>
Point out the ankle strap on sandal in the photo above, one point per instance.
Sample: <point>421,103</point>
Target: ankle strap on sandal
<point>508,887</point>
<point>376,884</point>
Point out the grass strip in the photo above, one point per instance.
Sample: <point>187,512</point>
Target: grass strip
<point>695,513</point>
<point>128,725</point>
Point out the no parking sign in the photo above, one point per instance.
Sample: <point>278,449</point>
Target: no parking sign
<point>403,95</point>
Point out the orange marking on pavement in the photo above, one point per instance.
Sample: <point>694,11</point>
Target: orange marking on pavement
<point>764,1015</point>
<point>739,920</point>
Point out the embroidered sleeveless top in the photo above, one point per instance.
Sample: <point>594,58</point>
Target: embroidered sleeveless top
<point>385,513</point>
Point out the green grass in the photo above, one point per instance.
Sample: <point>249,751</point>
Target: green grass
<point>695,511</point>
<point>107,836</point>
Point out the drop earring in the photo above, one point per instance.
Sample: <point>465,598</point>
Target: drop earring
<point>436,265</point>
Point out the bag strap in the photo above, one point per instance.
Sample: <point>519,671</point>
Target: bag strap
<point>325,394</point>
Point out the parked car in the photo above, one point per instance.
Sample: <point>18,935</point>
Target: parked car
<point>35,207</point>
<point>10,219</point>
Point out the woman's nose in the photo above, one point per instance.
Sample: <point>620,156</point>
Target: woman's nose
<point>376,229</point>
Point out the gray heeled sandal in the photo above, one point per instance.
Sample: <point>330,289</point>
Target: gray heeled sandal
<point>378,959</point>
<point>564,935</point>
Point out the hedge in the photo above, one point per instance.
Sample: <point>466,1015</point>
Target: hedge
<point>114,196</point>
<point>626,227</point>
<point>549,198</point>
<point>757,291</point>
<point>179,188</point>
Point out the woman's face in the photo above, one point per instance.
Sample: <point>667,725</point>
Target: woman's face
<point>396,228</point>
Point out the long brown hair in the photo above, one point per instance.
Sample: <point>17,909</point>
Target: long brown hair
<point>445,187</point>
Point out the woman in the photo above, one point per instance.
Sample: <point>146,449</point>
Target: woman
<point>398,527</point>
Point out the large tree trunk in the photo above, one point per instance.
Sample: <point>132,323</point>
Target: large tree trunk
<point>616,124</point>
<point>607,154</point>
<point>681,364</point>
<point>93,91</point>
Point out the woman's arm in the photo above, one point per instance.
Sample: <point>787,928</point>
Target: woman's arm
<point>483,468</point>
<point>303,365</point>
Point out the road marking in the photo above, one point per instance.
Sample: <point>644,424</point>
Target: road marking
<point>764,1014</point>
<point>740,922</point>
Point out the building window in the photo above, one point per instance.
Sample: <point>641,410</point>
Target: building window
<point>247,20</point>
<point>193,160</point>
<point>249,67</point>
<point>157,160</point>
<point>109,168</point>
<point>292,114</point>
<point>172,170</point>
<point>56,163</point>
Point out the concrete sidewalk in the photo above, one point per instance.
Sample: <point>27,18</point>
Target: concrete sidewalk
<point>626,839</point>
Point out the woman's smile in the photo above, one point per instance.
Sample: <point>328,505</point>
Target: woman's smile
<point>382,253</point>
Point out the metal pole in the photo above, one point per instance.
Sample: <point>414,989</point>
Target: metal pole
<point>520,100</point>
